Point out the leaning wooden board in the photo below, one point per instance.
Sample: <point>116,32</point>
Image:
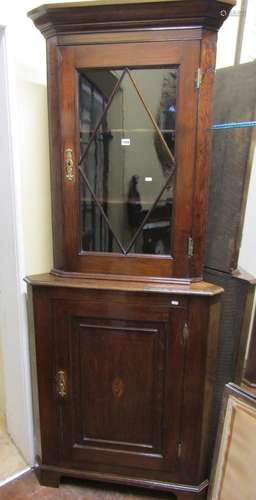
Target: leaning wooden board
<point>233,149</point>
<point>233,475</point>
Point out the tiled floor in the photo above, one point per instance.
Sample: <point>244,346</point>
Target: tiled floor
<point>27,488</point>
<point>11,461</point>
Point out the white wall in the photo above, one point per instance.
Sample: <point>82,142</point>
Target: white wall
<point>227,38</point>
<point>25,230</point>
<point>26,57</point>
<point>247,258</point>
<point>2,382</point>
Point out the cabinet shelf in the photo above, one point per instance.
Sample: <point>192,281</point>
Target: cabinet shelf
<point>117,130</point>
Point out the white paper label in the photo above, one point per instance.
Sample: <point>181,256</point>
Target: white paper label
<point>175,302</point>
<point>126,142</point>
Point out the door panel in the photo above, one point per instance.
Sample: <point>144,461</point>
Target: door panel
<point>119,392</point>
<point>124,384</point>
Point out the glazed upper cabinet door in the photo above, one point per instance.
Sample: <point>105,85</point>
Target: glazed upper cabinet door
<point>129,128</point>
<point>119,384</point>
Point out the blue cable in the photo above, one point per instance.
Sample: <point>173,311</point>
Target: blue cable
<point>221,126</point>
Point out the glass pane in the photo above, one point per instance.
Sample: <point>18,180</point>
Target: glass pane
<point>127,133</point>
<point>96,234</point>
<point>154,238</point>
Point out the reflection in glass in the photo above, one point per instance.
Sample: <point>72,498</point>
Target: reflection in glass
<point>127,137</point>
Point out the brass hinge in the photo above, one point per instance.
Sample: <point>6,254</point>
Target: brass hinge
<point>185,334</point>
<point>179,449</point>
<point>198,78</point>
<point>61,383</point>
<point>190,246</point>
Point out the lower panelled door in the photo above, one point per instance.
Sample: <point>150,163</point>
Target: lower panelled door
<point>119,384</point>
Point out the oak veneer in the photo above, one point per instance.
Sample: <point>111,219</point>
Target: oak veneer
<point>124,346</point>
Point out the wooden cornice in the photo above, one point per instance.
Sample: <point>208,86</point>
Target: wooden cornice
<point>100,15</point>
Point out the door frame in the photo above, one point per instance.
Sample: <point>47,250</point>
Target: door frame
<point>180,54</point>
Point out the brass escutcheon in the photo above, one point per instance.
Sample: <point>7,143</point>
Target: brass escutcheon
<point>69,165</point>
<point>61,382</point>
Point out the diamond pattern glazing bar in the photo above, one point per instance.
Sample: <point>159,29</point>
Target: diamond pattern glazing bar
<point>127,164</point>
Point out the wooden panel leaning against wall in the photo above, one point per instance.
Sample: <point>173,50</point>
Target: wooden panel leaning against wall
<point>233,151</point>
<point>233,474</point>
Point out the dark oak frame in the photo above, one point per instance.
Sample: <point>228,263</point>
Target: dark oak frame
<point>109,290</point>
<point>185,57</point>
<point>76,40</point>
